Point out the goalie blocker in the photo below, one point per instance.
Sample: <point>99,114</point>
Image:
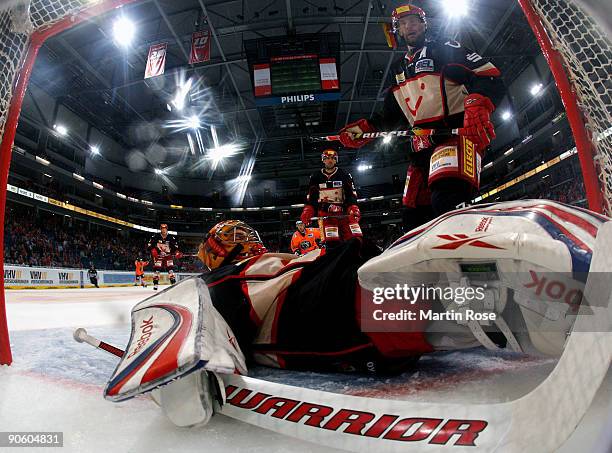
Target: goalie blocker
<point>265,306</point>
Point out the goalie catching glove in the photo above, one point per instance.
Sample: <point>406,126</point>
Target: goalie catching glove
<point>477,126</point>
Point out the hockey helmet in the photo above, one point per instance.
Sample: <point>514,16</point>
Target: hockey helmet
<point>298,223</point>
<point>403,11</point>
<point>230,241</point>
<point>329,153</point>
<point>163,225</point>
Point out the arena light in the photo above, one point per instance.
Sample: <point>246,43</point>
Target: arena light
<point>77,176</point>
<point>218,153</point>
<point>60,129</point>
<point>243,178</point>
<point>160,171</point>
<point>536,89</point>
<point>124,31</point>
<point>364,167</point>
<point>387,139</point>
<point>193,122</point>
<point>456,8</point>
<point>181,94</point>
<point>42,161</point>
<point>94,149</point>
<point>506,115</point>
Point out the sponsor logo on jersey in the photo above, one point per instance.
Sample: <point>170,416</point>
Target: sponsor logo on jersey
<point>435,431</point>
<point>297,98</point>
<point>400,77</point>
<point>455,241</point>
<point>336,183</point>
<point>425,65</point>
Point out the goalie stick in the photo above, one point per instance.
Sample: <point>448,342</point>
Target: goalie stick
<point>383,134</point>
<point>544,417</point>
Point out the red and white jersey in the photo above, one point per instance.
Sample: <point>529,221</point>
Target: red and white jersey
<point>431,84</point>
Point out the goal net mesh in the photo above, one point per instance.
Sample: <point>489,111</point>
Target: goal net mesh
<point>587,54</point>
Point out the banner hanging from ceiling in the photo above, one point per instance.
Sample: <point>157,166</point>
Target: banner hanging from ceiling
<point>156,61</point>
<point>200,47</point>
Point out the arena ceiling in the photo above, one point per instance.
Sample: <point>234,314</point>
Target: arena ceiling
<point>101,82</point>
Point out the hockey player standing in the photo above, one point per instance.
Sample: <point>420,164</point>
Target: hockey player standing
<point>305,240</point>
<point>438,84</point>
<point>140,265</point>
<point>92,274</point>
<point>164,249</point>
<point>332,195</point>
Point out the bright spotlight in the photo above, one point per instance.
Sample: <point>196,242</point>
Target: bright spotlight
<point>387,139</point>
<point>193,122</point>
<point>159,171</point>
<point>456,8</point>
<point>181,94</point>
<point>364,167</point>
<point>94,149</point>
<point>506,115</point>
<point>219,153</point>
<point>62,130</point>
<point>123,30</point>
<point>536,89</point>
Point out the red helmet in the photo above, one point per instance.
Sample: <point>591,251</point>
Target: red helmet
<point>163,225</point>
<point>329,153</point>
<point>406,10</point>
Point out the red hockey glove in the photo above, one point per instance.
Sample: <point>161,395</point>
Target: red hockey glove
<point>307,214</point>
<point>354,213</point>
<point>420,143</point>
<point>477,126</point>
<point>154,254</point>
<point>351,133</point>
<point>178,255</point>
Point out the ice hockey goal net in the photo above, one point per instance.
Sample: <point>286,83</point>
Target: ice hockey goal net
<point>577,49</point>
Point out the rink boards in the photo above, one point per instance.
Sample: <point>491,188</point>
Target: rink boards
<point>23,277</point>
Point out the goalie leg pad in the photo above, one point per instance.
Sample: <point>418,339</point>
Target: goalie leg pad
<point>174,334</point>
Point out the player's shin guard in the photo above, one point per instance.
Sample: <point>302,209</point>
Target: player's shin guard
<point>172,277</point>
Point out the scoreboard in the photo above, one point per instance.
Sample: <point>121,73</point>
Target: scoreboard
<point>297,69</point>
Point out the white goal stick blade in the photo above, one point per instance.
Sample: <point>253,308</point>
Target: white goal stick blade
<point>81,336</point>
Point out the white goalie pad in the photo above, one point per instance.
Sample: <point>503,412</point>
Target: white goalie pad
<point>174,333</point>
<point>538,249</point>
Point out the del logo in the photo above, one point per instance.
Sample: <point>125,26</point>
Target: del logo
<point>12,274</point>
<point>436,431</point>
<point>38,275</point>
<point>297,98</point>
<point>425,65</point>
<point>454,241</point>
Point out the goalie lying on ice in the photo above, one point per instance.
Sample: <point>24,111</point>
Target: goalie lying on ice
<point>322,311</point>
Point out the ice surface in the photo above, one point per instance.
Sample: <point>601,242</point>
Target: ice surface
<point>55,384</point>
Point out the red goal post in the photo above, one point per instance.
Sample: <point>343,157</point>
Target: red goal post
<point>575,46</point>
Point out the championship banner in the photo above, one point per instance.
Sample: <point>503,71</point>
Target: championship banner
<point>200,47</point>
<point>329,74</point>
<point>262,79</point>
<point>156,61</point>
